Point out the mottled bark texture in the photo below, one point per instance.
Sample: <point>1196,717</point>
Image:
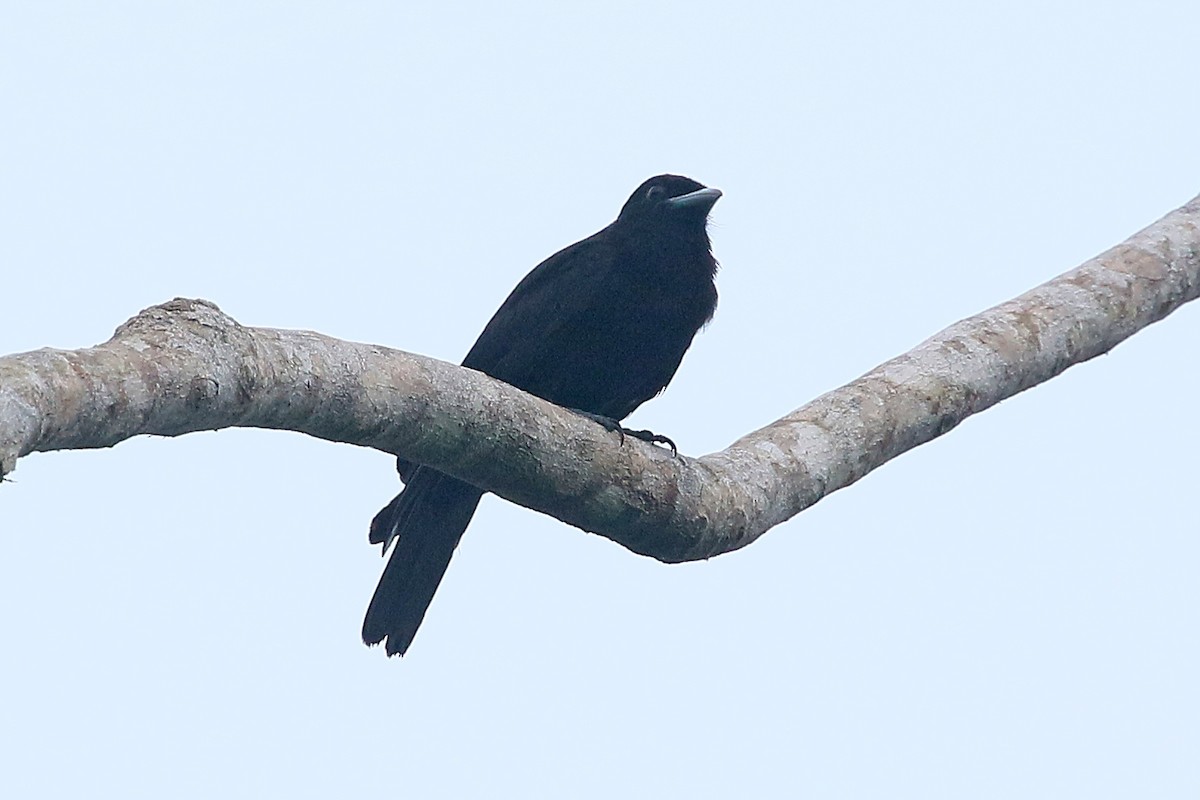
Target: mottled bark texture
<point>185,366</point>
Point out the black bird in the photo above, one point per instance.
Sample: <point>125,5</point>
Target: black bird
<point>599,327</point>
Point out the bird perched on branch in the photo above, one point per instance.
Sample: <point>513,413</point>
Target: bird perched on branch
<point>599,327</point>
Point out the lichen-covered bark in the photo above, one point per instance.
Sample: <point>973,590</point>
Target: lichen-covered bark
<point>185,366</point>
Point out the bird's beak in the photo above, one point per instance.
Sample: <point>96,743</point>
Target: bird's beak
<point>701,198</point>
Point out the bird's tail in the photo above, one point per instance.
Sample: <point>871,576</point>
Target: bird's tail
<point>427,519</point>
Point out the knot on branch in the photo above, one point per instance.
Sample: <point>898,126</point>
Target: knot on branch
<point>191,351</point>
<point>182,311</point>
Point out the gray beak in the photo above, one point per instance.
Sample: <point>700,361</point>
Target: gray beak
<point>701,198</point>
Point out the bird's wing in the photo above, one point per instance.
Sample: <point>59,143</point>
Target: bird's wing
<point>530,337</point>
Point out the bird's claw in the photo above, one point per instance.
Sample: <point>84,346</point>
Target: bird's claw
<point>651,437</point>
<point>613,426</point>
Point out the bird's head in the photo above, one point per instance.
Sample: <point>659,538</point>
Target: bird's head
<point>669,200</point>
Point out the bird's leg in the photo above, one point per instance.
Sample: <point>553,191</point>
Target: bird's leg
<point>610,424</point>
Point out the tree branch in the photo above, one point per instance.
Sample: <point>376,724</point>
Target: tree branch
<point>186,366</point>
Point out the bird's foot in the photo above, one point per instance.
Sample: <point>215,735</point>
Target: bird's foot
<point>612,425</point>
<point>652,438</point>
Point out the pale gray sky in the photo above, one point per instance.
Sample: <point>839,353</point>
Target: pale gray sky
<point>1011,611</point>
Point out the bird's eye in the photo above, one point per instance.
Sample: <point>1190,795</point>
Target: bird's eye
<point>656,193</point>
